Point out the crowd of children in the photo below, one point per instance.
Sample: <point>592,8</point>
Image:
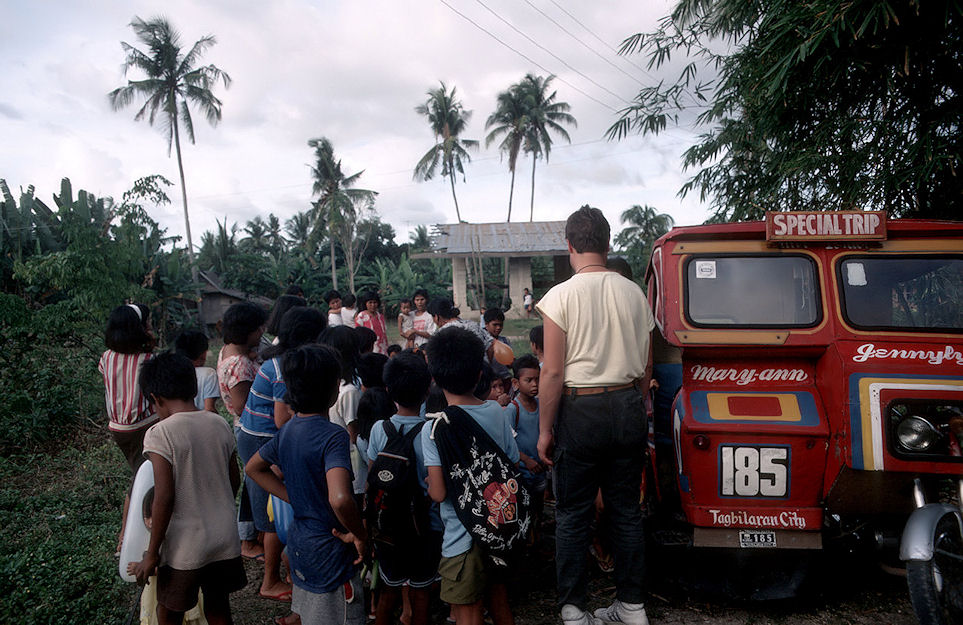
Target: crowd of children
<point>315,403</point>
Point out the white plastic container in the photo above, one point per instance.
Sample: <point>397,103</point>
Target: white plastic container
<point>136,532</point>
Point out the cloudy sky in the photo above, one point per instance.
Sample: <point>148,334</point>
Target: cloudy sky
<point>352,71</point>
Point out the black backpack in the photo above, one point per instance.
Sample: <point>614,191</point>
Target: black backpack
<point>397,507</point>
<point>483,484</point>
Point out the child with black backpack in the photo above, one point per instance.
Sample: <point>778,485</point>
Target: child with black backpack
<point>470,454</point>
<point>405,530</point>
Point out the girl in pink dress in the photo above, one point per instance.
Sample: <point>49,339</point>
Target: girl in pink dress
<point>371,317</point>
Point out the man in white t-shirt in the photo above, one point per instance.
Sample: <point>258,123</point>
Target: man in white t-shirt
<point>597,366</point>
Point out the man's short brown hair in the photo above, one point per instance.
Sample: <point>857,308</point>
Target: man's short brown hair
<point>587,230</point>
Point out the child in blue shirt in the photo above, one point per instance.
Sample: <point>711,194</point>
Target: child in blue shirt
<point>455,360</point>
<point>522,414</point>
<point>314,456</point>
<point>414,564</point>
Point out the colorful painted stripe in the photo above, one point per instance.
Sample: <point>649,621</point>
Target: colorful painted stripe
<point>866,410</point>
<point>791,408</point>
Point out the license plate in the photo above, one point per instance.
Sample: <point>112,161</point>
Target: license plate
<point>757,538</point>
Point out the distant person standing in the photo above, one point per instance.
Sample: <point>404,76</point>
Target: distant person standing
<point>424,326</point>
<point>372,318</point>
<point>333,298</point>
<point>597,366</point>
<point>528,302</point>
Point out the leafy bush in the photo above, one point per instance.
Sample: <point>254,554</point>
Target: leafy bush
<point>48,370</point>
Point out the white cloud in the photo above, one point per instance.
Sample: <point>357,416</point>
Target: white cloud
<point>351,71</point>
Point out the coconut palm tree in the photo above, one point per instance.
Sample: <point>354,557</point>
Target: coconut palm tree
<point>644,225</point>
<point>173,82</point>
<point>509,122</point>
<point>448,119</point>
<point>546,115</point>
<point>256,240</point>
<point>419,240</point>
<point>337,194</point>
<point>298,230</point>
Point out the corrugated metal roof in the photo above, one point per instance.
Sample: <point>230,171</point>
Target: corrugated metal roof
<point>539,238</point>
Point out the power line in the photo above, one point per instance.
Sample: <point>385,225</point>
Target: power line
<point>536,64</point>
<point>548,17</point>
<point>555,56</point>
<point>602,41</point>
<point>587,46</point>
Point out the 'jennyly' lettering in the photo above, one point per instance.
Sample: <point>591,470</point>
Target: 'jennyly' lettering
<point>948,353</point>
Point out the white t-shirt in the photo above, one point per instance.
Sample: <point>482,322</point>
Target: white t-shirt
<point>202,530</point>
<point>607,325</point>
<point>345,408</point>
<point>334,319</point>
<point>423,322</point>
<point>347,315</point>
<point>206,386</point>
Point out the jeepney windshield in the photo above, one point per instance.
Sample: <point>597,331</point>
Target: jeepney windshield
<point>752,291</point>
<point>903,292</point>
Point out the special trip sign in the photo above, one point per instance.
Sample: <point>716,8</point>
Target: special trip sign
<point>817,226</point>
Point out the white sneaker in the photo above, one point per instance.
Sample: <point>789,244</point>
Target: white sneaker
<point>572,615</point>
<point>619,612</point>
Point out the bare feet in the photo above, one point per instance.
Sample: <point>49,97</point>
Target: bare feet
<point>290,619</point>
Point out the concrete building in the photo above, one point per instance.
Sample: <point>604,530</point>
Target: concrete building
<point>466,244</point>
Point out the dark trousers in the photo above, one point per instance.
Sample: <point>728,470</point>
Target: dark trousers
<point>600,443</point>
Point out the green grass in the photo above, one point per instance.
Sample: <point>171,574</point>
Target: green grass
<point>59,518</point>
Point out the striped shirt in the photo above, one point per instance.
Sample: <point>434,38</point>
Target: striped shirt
<point>268,387</point>
<point>127,407</point>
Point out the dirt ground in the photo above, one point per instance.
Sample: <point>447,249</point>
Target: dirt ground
<point>688,587</point>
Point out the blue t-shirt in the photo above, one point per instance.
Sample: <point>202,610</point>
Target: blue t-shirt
<point>492,418</point>
<point>307,448</point>
<point>378,441</point>
<point>268,387</point>
<point>525,424</point>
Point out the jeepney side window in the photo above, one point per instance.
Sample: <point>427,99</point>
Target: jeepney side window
<point>752,291</point>
<point>902,292</point>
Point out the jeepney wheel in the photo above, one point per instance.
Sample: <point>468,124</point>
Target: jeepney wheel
<point>936,585</point>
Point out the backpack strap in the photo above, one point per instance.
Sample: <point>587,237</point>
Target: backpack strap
<point>458,418</point>
<point>390,430</point>
<point>436,418</point>
<point>518,413</point>
<point>413,433</point>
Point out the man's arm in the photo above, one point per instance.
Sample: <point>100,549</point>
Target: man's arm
<point>259,470</point>
<point>341,499</point>
<point>550,388</point>
<point>160,517</point>
<point>647,378</point>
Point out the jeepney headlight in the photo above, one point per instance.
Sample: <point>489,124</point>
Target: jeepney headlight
<point>916,434</point>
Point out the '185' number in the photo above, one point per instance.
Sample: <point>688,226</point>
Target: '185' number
<point>755,471</point>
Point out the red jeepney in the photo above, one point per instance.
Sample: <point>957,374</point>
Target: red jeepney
<point>810,372</point>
